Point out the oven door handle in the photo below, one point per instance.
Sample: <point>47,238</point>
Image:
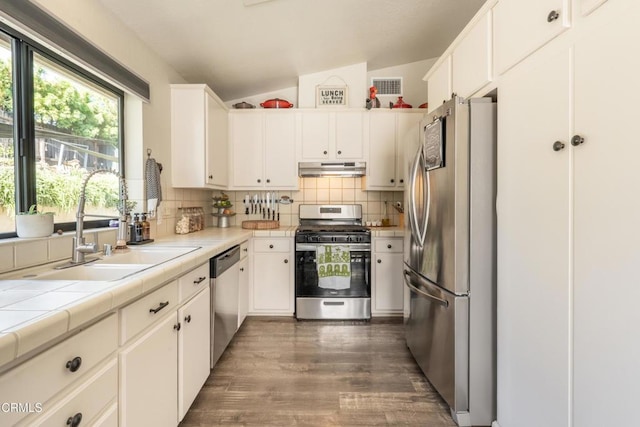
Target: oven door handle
<point>365,247</point>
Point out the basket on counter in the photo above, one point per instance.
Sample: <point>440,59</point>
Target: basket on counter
<point>260,224</point>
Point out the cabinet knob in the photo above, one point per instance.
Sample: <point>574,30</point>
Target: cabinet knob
<point>177,327</point>
<point>401,181</point>
<point>241,268</point>
<point>388,246</point>
<point>557,146</point>
<point>324,152</point>
<point>339,152</point>
<point>74,364</point>
<point>286,261</point>
<point>187,319</point>
<point>270,246</point>
<point>553,15</point>
<point>210,176</point>
<point>268,180</point>
<point>75,420</point>
<point>379,261</point>
<point>392,180</point>
<point>577,140</point>
<point>259,180</point>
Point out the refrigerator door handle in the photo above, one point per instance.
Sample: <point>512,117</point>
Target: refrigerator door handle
<point>413,214</point>
<point>407,281</point>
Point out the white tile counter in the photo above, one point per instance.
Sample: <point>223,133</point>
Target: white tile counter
<point>37,313</point>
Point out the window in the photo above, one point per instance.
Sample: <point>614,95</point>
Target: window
<point>57,123</point>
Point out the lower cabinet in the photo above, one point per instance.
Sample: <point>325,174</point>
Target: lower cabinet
<point>243,291</point>
<point>271,291</point>
<point>163,369</point>
<point>388,284</point>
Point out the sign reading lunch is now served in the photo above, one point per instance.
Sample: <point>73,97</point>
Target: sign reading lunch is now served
<point>331,96</point>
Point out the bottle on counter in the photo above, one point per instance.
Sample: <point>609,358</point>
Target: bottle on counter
<point>137,225</point>
<point>146,227</point>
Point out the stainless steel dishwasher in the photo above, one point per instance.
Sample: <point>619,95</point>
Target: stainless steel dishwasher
<point>224,275</point>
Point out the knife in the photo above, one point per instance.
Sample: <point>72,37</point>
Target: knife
<point>262,205</point>
<point>246,204</point>
<point>275,206</point>
<point>268,205</point>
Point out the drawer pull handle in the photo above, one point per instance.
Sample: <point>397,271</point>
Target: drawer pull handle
<point>74,364</point>
<point>177,327</point>
<point>160,307</point>
<point>75,420</point>
<point>199,280</point>
<point>187,319</point>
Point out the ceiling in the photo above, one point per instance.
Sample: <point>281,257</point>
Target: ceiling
<point>247,47</point>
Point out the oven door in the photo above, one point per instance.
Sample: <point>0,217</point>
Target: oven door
<point>307,273</point>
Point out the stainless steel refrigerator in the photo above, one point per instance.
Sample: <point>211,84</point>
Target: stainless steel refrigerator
<point>450,256</point>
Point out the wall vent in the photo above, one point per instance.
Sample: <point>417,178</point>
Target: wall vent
<point>388,85</point>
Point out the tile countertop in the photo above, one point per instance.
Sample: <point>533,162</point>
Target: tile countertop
<point>35,313</point>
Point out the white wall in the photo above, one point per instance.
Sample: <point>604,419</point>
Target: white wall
<point>413,87</point>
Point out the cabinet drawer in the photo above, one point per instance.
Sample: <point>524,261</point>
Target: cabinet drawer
<point>85,402</point>
<point>142,313</point>
<point>193,282</point>
<point>388,245</point>
<point>244,249</point>
<point>40,378</point>
<point>272,245</point>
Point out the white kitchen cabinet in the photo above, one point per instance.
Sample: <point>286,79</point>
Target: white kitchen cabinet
<point>264,147</point>
<point>389,133</point>
<point>148,377</point>
<point>439,84</point>
<point>568,230</point>
<point>243,290</point>
<point>272,291</point>
<point>472,61</point>
<point>522,27</point>
<point>194,346</point>
<point>333,135</point>
<point>70,365</point>
<point>388,283</point>
<point>199,139</point>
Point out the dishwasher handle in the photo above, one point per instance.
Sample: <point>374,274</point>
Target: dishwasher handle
<point>222,262</point>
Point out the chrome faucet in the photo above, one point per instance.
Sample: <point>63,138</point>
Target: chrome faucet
<point>80,248</point>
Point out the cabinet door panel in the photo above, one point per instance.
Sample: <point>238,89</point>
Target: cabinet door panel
<point>217,144</point>
<point>349,135</point>
<point>272,290</point>
<point>248,155</point>
<point>381,171</point>
<point>389,285</point>
<point>521,27</point>
<point>607,230</point>
<point>439,85</point>
<point>148,378</point>
<point>194,346</point>
<point>533,243</point>
<point>280,150</point>
<point>315,135</point>
<point>471,60</point>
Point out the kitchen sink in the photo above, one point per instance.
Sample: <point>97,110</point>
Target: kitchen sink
<point>118,265</point>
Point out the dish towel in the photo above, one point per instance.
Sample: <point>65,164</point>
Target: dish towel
<point>334,266</point>
<point>153,187</point>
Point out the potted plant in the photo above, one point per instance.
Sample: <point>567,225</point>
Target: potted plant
<point>34,224</point>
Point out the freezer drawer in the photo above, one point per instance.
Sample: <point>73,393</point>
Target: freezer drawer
<point>437,333</point>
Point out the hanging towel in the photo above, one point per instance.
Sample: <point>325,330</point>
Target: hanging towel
<point>334,266</point>
<point>153,187</point>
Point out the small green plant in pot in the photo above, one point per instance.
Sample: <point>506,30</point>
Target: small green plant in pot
<point>32,223</point>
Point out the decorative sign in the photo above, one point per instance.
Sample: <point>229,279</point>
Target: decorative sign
<point>331,96</point>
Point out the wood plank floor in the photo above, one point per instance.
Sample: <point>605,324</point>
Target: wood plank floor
<point>278,371</point>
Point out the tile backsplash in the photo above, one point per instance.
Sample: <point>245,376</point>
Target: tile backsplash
<point>323,191</point>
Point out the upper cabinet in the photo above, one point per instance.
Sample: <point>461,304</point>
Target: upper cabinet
<point>471,64</point>
<point>521,27</point>
<point>264,147</point>
<point>199,140</point>
<point>439,84</point>
<point>333,135</point>
<point>389,132</point>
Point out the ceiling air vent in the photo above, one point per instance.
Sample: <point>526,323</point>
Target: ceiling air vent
<point>388,85</point>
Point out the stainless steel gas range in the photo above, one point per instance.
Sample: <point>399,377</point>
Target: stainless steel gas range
<point>333,263</point>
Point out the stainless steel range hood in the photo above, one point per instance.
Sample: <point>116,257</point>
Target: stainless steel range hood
<point>341,169</point>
